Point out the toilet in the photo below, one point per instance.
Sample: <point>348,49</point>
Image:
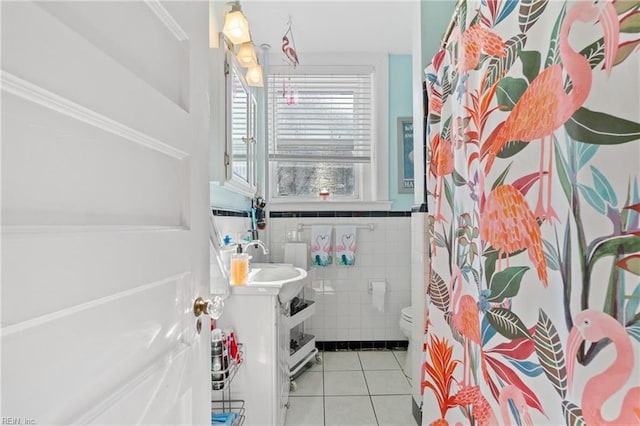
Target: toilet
<point>406,325</point>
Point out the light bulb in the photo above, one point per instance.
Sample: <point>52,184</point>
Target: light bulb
<point>254,76</point>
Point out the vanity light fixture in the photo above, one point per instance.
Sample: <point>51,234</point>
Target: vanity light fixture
<point>247,55</point>
<point>254,76</point>
<point>236,26</point>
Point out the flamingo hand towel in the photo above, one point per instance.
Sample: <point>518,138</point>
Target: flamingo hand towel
<point>321,245</point>
<point>346,244</point>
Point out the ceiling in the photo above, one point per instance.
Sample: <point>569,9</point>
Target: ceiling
<point>321,26</point>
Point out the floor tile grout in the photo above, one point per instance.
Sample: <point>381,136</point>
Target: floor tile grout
<point>362,370</point>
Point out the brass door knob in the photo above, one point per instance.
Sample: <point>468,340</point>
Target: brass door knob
<point>208,307</point>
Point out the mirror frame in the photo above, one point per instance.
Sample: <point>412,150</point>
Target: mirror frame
<point>232,181</point>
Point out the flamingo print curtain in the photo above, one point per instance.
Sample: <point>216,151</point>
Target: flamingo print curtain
<point>533,289</point>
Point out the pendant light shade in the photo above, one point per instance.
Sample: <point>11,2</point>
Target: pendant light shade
<point>236,26</point>
<point>247,55</point>
<point>254,76</point>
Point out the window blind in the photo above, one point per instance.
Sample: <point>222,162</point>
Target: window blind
<point>321,117</point>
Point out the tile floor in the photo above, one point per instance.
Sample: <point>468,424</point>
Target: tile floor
<point>353,388</point>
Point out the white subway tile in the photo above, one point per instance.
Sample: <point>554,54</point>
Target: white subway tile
<point>366,333</point>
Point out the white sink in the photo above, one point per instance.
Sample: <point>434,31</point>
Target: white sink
<point>286,277</point>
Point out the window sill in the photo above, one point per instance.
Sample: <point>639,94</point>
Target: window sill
<point>328,205</point>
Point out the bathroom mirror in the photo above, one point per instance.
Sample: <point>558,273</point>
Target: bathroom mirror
<point>241,106</point>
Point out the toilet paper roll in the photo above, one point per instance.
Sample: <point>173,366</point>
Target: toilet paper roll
<point>378,290</point>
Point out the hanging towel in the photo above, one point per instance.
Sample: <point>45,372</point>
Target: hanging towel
<point>321,245</point>
<point>346,244</point>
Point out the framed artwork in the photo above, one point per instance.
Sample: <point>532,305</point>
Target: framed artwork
<point>405,155</point>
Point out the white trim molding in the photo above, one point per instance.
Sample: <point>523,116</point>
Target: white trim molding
<point>36,94</point>
<point>167,19</point>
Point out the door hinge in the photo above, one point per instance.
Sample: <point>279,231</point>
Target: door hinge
<point>226,159</point>
<point>226,68</point>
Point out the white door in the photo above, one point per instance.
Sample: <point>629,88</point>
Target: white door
<point>104,212</point>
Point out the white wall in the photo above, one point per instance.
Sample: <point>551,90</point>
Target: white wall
<point>344,310</point>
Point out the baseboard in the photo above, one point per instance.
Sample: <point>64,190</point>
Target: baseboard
<point>359,345</point>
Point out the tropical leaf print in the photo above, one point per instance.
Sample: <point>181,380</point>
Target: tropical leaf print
<point>624,50</point>
<point>528,368</point>
<point>601,128</point>
<point>630,23</point>
<point>446,88</point>
<point>623,6</point>
<point>445,134</point>
<point>508,375</point>
<point>630,311</point>
<point>500,179</point>
<point>594,52</point>
<point>511,148</point>
<point>610,247</point>
<point>487,331</point>
<point>462,16</point>
<point>439,292</point>
<point>531,60</point>
<point>507,8</point>
<point>572,414</point>
<point>584,153</point>
<point>498,66</point>
<point>509,92</point>
<point>530,12</point>
<point>440,370</point>
<point>593,198</point>
<point>506,283</point>
<point>458,180</point>
<point>562,170</point>
<point>603,187</point>
<point>553,55</point>
<point>552,256</point>
<point>550,353</point>
<point>518,349</point>
<point>448,316</point>
<point>525,183</point>
<point>507,323</point>
<point>630,263</point>
<point>634,331</point>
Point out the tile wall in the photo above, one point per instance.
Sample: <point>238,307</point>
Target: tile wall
<point>344,309</point>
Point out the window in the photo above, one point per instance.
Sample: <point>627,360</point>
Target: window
<point>322,131</point>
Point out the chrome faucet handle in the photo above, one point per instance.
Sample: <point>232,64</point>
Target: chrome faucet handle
<point>256,243</point>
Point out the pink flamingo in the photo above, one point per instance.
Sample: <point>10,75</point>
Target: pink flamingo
<point>466,319</point>
<point>290,52</point>
<point>325,243</point>
<point>316,246</point>
<point>545,105</point>
<point>511,392</point>
<point>593,326</point>
<point>440,166</point>
<point>507,223</point>
<point>344,243</point>
<point>321,244</point>
<point>477,39</point>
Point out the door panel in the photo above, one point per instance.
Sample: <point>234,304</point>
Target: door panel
<point>104,212</point>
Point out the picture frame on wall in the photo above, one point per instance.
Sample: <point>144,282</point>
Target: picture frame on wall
<point>405,155</point>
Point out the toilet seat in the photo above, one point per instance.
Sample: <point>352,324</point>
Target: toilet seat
<point>407,314</point>
<point>406,326</point>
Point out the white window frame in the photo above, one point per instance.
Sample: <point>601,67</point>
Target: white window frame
<point>375,196</point>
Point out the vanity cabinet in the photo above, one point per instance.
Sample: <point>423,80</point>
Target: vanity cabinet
<point>263,381</point>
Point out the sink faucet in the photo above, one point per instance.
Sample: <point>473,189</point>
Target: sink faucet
<point>254,243</point>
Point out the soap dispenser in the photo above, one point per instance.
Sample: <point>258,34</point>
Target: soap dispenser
<point>239,267</point>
